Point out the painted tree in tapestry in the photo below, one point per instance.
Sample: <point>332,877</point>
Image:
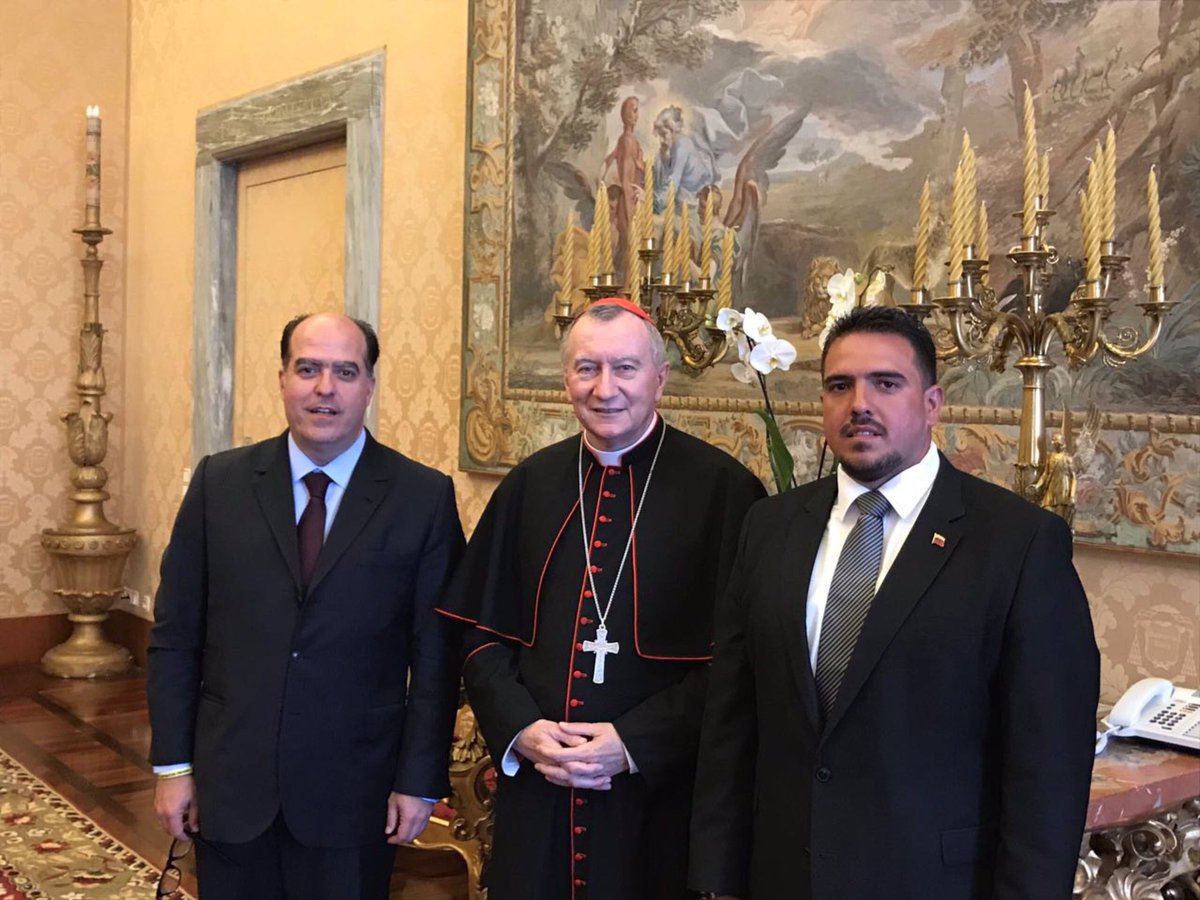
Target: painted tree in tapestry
<point>813,123</point>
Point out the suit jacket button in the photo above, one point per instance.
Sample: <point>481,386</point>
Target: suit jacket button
<point>823,775</point>
<point>295,654</point>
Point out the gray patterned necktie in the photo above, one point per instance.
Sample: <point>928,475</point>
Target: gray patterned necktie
<point>850,596</point>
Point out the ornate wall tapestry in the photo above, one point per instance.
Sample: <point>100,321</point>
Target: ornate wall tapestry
<point>816,123</point>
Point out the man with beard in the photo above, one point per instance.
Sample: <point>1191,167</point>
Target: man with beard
<point>904,686</point>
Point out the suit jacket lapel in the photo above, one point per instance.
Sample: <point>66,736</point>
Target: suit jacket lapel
<point>273,488</point>
<point>913,570</point>
<point>366,490</point>
<point>800,546</point>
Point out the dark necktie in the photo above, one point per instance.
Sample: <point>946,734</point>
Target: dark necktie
<point>850,596</point>
<point>311,527</point>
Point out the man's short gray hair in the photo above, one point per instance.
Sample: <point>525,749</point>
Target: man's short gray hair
<point>608,312</point>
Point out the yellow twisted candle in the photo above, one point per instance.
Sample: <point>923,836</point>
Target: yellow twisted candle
<point>958,226</point>
<point>970,188</point>
<point>1095,191</point>
<point>706,237</point>
<point>668,225</point>
<point>982,247</point>
<point>725,285</point>
<point>683,246</point>
<point>1044,179</point>
<point>1091,224</point>
<point>1085,224</point>
<point>594,237</point>
<point>566,265</point>
<point>1029,207</point>
<point>1154,231</point>
<point>643,228</point>
<point>1109,232</point>
<point>921,261</point>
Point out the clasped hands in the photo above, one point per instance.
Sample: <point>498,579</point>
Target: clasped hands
<point>574,754</point>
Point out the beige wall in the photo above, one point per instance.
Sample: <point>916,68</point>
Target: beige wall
<point>54,62</point>
<point>186,56</point>
<point>189,55</point>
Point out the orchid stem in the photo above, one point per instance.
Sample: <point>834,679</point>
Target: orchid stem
<point>762,383</point>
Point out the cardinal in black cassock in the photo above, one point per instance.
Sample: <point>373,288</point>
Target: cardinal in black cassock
<point>590,583</point>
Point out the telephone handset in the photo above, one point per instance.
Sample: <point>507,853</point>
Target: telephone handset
<point>1154,708</point>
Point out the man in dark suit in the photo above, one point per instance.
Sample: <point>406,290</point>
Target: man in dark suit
<point>903,694</point>
<point>301,689</point>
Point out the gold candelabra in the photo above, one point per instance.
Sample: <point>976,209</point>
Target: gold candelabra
<point>976,327</point>
<point>684,311</point>
<point>88,551</point>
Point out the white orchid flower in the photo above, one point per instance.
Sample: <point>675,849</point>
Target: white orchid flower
<point>743,348</point>
<point>757,326</point>
<point>771,355</point>
<point>841,289</point>
<point>729,319</point>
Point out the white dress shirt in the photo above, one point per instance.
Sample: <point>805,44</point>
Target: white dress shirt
<point>339,469</point>
<point>906,491</point>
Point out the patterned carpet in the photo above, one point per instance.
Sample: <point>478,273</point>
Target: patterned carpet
<point>51,851</point>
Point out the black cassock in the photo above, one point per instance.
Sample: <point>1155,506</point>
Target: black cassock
<point>522,585</point>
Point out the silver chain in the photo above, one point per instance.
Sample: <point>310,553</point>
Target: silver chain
<point>587,547</point>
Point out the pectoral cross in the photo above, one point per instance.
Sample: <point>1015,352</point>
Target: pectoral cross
<point>601,647</point>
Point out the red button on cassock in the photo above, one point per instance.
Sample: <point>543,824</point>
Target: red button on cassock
<point>579,882</point>
<point>596,569</point>
<point>578,674</point>
<point>598,544</point>
<point>580,829</point>
<point>612,471</point>
<point>579,801</point>
<point>576,702</point>
<point>579,646</point>
<point>580,857</point>
<point>609,494</point>
<point>606,519</point>
<point>587,594</point>
<point>584,620</point>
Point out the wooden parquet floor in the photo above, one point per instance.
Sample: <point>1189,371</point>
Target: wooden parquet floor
<point>88,740</point>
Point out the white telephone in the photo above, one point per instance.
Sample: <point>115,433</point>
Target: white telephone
<point>1156,709</point>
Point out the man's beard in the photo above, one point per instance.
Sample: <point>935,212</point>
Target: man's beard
<point>874,473</point>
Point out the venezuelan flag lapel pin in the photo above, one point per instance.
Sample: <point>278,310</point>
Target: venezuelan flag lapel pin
<point>938,540</point>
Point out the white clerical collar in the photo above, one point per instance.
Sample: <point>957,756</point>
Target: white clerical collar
<point>613,457</point>
<point>904,491</point>
<point>339,469</point>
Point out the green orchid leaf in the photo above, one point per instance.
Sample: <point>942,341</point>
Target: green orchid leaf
<point>782,464</point>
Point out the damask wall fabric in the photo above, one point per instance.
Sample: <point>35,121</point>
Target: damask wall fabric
<point>181,58</point>
<point>44,89</point>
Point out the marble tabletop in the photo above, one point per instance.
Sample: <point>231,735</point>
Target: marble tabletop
<point>1133,780</point>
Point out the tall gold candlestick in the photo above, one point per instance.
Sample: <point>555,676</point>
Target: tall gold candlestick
<point>982,240</point>
<point>1109,232</point>
<point>1154,230</point>
<point>91,214</point>
<point>725,284</point>
<point>706,238</point>
<point>958,226</point>
<point>921,262</point>
<point>1030,184</point>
